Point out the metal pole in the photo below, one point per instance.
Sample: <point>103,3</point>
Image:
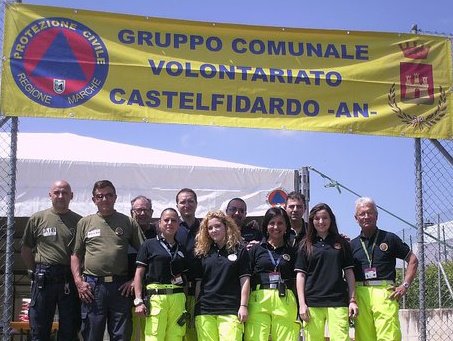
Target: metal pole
<point>446,280</point>
<point>306,189</point>
<point>420,239</point>
<point>439,259</point>
<point>9,253</point>
<point>403,274</point>
<point>443,151</point>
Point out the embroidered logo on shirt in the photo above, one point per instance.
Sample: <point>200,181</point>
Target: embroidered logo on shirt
<point>286,257</point>
<point>94,233</point>
<point>119,231</point>
<point>384,247</point>
<point>232,257</point>
<point>49,231</point>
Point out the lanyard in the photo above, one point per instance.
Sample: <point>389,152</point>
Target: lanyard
<point>172,255</point>
<point>166,248</point>
<point>274,262</point>
<point>370,260</point>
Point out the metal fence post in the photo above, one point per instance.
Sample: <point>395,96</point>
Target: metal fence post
<point>420,239</point>
<point>9,250</point>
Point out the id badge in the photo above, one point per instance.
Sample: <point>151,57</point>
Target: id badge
<point>370,273</point>
<point>177,280</point>
<point>274,277</point>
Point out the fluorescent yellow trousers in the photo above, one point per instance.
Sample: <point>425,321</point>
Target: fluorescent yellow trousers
<point>219,328</point>
<point>138,327</point>
<point>378,315</point>
<point>270,314</point>
<point>337,319</point>
<point>164,311</point>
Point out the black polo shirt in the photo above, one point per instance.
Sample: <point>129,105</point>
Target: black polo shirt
<point>387,249</point>
<point>220,272</point>
<point>324,284</point>
<point>132,253</point>
<point>262,265</point>
<point>161,265</point>
<point>248,234</point>
<point>294,237</point>
<point>186,237</point>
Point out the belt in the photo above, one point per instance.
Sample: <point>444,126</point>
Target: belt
<point>167,291</point>
<point>375,283</point>
<point>56,273</point>
<point>108,279</point>
<point>266,286</point>
<point>52,266</point>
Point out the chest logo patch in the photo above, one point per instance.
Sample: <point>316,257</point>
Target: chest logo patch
<point>337,246</point>
<point>119,231</point>
<point>232,257</point>
<point>286,257</point>
<point>49,231</point>
<point>383,247</point>
<point>94,233</point>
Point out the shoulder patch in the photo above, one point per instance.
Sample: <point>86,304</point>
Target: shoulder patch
<point>383,247</point>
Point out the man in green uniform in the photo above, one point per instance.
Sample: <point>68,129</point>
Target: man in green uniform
<point>102,243</point>
<point>46,250</point>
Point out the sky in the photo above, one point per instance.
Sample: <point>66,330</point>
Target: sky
<point>376,166</point>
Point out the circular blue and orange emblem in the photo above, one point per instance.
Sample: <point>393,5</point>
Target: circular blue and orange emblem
<point>59,62</point>
<point>277,197</point>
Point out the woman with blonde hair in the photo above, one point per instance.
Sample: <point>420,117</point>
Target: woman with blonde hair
<point>223,279</point>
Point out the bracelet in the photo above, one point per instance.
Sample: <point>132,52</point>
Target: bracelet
<point>352,300</point>
<point>244,305</point>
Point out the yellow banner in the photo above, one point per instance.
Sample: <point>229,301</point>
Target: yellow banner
<point>91,65</point>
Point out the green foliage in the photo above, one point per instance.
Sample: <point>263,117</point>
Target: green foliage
<point>431,296</point>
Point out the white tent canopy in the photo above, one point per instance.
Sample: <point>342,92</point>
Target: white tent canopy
<point>43,158</point>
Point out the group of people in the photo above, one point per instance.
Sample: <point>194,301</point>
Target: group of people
<point>218,278</point>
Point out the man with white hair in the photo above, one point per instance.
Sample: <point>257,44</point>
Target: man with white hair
<point>375,252</point>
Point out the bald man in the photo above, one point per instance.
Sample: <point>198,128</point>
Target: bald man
<point>46,250</point>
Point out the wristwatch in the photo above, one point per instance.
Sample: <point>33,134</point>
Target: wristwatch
<point>406,285</point>
<point>137,302</point>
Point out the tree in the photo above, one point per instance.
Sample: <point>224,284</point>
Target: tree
<point>431,288</point>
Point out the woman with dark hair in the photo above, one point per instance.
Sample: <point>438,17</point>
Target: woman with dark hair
<point>161,267</point>
<point>324,261</point>
<point>223,279</point>
<point>272,305</point>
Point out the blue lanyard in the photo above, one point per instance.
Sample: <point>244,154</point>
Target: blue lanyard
<point>274,262</point>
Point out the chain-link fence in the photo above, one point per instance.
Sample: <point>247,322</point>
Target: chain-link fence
<point>435,218</point>
<point>430,299</point>
<point>8,148</point>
